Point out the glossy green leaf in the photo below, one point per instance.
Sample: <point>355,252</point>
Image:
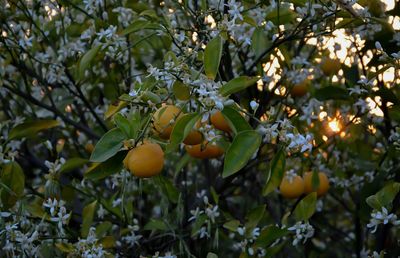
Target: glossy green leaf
<point>384,197</point>
<point>181,91</point>
<point>212,255</point>
<point>182,128</point>
<point>123,124</point>
<point>237,84</point>
<point>236,120</point>
<point>259,41</point>
<point>108,145</point>
<point>331,92</point>
<point>111,166</point>
<point>275,173</point>
<point>87,217</point>
<point>306,207</point>
<point>243,147</point>
<point>72,164</point>
<point>86,60</point>
<point>232,225</point>
<point>270,234</point>
<point>212,57</point>
<point>156,224</point>
<point>254,217</point>
<point>140,25</point>
<point>12,184</point>
<point>28,129</point>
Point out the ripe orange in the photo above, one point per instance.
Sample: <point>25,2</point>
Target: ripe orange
<point>330,66</point>
<point>162,120</point>
<point>323,183</point>
<point>193,138</point>
<point>204,151</point>
<point>146,160</point>
<point>292,189</point>
<point>300,89</point>
<point>219,122</point>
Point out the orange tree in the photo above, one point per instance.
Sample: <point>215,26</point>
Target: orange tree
<point>212,128</point>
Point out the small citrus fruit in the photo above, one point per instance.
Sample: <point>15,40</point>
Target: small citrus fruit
<point>146,160</point>
<point>300,89</point>
<point>204,151</point>
<point>193,138</point>
<point>219,122</point>
<point>323,183</point>
<point>292,188</point>
<point>162,120</point>
<point>330,66</point>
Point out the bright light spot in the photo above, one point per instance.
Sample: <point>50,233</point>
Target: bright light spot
<point>68,108</point>
<point>395,21</point>
<point>372,129</point>
<point>334,125</point>
<point>390,4</point>
<point>388,75</point>
<point>210,20</point>
<point>194,36</point>
<point>322,115</point>
<point>324,137</point>
<point>374,106</point>
<point>260,85</point>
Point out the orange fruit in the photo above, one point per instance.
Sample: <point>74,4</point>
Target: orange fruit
<point>162,120</point>
<point>323,183</point>
<point>146,160</point>
<point>89,147</point>
<point>204,151</point>
<point>292,189</point>
<point>300,89</point>
<point>219,122</point>
<point>193,138</point>
<point>330,66</point>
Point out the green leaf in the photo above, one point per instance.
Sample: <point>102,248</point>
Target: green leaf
<point>156,224</point>
<point>87,218</point>
<point>254,217</point>
<point>123,124</point>
<point>13,183</point>
<point>201,219</point>
<point>384,197</point>
<point>168,188</point>
<point>351,74</point>
<point>181,91</point>
<point>181,129</point>
<point>275,173</point>
<point>72,164</point>
<point>139,25</point>
<point>65,247</point>
<point>212,255</point>
<point>101,170</point>
<point>114,108</point>
<point>108,145</point>
<point>270,234</point>
<point>236,120</point>
<point>86,60</point>
<point>281,15</point>
<point>28,129</point>
<point>244,145</point>
<point>212,57</point>
<point>259,41</point>
<point>237,84</point>
<point>306,207</point>
<point>331,92</point>
<point>232,225</point>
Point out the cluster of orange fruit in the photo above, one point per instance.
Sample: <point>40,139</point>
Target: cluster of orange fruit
<point>328,66</point>
<point>299,185</point>
<point>147,160</point>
